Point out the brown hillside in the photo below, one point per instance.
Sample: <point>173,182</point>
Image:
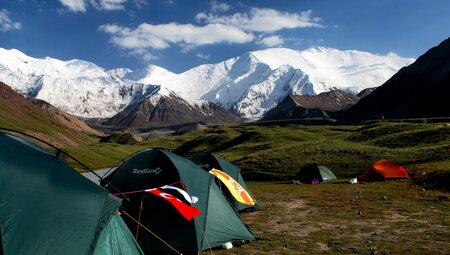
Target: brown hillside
<point>19,113</point>
<point>169,111</point>
<point>66,119</point>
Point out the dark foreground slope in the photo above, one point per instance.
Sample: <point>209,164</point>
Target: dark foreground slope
<point>420,90</point>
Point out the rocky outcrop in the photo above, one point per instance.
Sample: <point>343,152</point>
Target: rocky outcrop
<point>325,105</point>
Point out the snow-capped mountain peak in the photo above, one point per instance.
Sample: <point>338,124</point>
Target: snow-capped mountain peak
<point>248,85</point>
<point>254,82</point>
<point>76,86</point>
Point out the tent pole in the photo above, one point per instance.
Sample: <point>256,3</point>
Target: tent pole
<point>139,220</point>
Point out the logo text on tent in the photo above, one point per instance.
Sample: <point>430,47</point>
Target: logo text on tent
<point>147,171</point>
<point>205,166</point>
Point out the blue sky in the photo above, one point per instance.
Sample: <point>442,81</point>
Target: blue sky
<point>181,34</point>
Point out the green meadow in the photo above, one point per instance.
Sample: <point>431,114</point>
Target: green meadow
<point>276,152</point>
<point>394,217</point>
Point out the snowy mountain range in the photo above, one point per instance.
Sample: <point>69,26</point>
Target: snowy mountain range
<point>248,85</point>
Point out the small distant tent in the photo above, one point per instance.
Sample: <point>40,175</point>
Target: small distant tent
<point>383,170</point>
<point>46,207</point>
<point>315,173</point>
<point>210,161</point>
<point>217,223</point>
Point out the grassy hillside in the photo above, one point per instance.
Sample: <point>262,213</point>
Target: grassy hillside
<point>277,152</point>
<point>19,113</point>
<point>43,128</point>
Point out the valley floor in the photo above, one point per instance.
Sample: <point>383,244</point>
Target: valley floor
<point>404,217</point>
<point>376,218</point>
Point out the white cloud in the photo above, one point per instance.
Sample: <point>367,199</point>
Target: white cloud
<point>140,3</point>
<point>148,36</point>
<point>263,20</point>
<point>6,23</point>
<point>75,5</point>
<point>219,7</point>
<point>144,54</point>
<point>203,56</point>
<point>109,5</point>
<point>272,41</point>
<point>105,5</point>
<point>255,26</point>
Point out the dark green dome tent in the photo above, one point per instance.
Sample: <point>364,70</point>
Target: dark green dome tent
<point>314,172</point>
<point>46,207</point>
<point>209,161</point>
<point>217,223</point>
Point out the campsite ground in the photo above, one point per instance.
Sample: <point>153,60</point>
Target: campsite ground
<point>377,218</point>
<point>407,217</point>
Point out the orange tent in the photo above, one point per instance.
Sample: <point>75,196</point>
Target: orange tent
<point>383,170</point>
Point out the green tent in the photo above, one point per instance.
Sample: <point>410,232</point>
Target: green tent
<point>315,173</point>
<point>209,161</point>
<point>217,223</point>
<point>46,207</point>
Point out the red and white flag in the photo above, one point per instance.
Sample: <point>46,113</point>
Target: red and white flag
<point>186,210</point>
<point>191,200</point>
